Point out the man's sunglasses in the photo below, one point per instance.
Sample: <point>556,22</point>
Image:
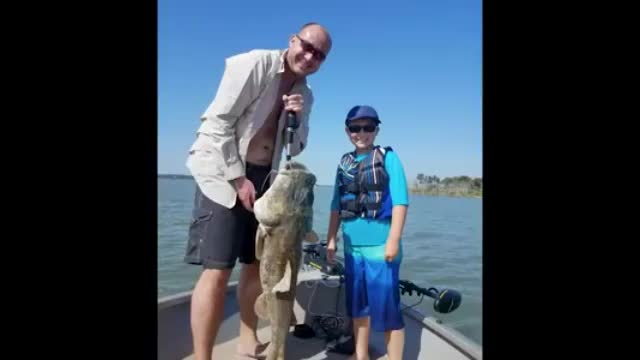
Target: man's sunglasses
<point>367,128</point>
<point>307,47</point>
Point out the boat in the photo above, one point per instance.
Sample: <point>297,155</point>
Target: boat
<point>320,295</point>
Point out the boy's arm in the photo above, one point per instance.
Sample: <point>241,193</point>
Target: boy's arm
<point>334,222</point>
<point>400,199</point>
<point>399,214</point>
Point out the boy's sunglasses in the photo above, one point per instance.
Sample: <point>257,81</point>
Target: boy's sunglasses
<point>307,47</point>
<point>367,128</point>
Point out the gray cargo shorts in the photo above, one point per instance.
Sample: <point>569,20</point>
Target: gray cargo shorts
<point>218,235</point>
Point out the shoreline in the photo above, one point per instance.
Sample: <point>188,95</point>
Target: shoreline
<point>412,191</point>
<point>445,195</point>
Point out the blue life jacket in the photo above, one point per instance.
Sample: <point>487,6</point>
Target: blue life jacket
<point>364,186</point>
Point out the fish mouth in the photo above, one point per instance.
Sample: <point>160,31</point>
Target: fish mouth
<point>293,165</point>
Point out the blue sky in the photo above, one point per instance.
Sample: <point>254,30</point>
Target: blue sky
<point>419,63</point>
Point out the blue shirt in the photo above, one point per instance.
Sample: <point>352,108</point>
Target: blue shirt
<point>364,231</point>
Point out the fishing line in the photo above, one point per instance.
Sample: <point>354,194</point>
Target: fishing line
<point>264,182</point>
<point>410,306</point>
<point>332,324</point>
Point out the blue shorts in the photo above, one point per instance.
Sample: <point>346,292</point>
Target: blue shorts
<point>372,286</point>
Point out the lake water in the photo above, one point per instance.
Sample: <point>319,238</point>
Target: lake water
<point>442,242</point>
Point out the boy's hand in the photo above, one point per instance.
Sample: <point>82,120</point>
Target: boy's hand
<point>331,250</point>
<point>390,250</point>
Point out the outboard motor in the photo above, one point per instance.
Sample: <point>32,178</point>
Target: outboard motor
<point>445,302</point>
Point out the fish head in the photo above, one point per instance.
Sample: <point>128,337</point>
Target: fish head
<point>290,194</point>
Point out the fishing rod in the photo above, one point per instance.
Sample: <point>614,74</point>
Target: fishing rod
<point>292,125</point>
<point>315,255</point>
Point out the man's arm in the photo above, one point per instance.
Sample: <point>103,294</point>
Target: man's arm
<point>239,87</point>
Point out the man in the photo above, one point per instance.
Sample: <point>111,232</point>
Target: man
<point>240,141</point>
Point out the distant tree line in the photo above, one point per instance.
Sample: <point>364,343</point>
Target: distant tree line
<point>449,186</point>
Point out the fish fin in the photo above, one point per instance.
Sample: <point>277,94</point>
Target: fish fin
<point>260,235</point>
<point>260,307</point>
<point>284,285</point>
<point>311,237</point>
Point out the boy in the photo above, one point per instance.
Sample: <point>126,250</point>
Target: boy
<point>370,200</point>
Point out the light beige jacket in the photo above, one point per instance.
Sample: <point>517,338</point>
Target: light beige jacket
<point>243,101</point>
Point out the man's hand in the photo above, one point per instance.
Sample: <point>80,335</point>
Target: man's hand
<point>331,250</point>
<point>390,251</point>
<point>246,192</point>
<point>294,103</point>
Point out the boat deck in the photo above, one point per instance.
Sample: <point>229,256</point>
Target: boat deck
<point>424,337</point>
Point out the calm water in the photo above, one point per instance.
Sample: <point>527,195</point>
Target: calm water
<point>442,242</point>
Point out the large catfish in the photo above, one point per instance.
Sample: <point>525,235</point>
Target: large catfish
<point>285,217</point>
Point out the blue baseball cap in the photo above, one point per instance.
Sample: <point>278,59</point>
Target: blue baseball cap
<point>362,112</point>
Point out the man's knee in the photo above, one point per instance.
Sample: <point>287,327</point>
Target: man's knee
<point>252,269</point>
<point>216,278</point>
<point>249,278</point>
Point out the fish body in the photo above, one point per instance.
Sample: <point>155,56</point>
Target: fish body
<point>285,218</point>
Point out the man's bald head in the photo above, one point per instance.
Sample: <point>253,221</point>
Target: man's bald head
<point>308,49</point>
<point>315,27</point>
